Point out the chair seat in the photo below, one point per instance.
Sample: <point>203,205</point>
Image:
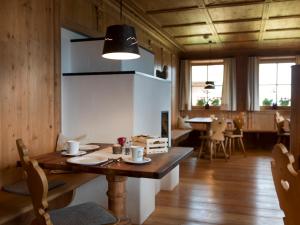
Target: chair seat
<point>284,134</point>
<point>233,135</point>
<point>84,214</point>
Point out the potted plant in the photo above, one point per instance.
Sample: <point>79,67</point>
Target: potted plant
<point>201,102</point>
<point>215,101</point>
<point>284,102</point>
<point>267,102</point>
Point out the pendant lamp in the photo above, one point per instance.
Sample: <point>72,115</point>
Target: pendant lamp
<point>120,42</point>
<point>209,84</point>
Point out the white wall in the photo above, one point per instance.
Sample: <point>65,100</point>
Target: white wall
<point>151,97</point>
<point>66,37</point>
<point>99,106</point>
<point>144,64</point>
<point>86,56</point>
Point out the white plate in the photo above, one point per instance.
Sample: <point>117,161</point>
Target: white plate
<point>65,153</point>
<point>129,160</point>
<point>88,147</point>
<point>85,160</point>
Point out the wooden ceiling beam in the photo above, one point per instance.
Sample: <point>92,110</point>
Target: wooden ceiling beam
<point>232,4</point>
<point>237,20</point>
<point>183,25</point>
<point>192,35</point>
<point>283,29</point>
<point>296,16</point>
<point>171,10</point>
<point>220,33</point>
<point>265,17</point>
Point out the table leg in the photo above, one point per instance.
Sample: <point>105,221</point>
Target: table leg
<point>116,194</point>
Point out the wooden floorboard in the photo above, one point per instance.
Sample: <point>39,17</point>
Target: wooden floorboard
<point>237,192</point>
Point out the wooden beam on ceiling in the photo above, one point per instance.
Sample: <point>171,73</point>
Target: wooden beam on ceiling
<point>171,10</point>
<point>283,29</point>
<point>232,4</point>
<point>265,17</point>
<point>274,39</point>
<point>220,33</point>
<point>237,20</point>
<point>284,17</point>
<point>192,35</point>
<point>183,25</point>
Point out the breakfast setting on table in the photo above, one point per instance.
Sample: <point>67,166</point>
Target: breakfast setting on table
<point>132,150</point>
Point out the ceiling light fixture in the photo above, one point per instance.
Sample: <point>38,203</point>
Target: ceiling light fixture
<point>120,41</point>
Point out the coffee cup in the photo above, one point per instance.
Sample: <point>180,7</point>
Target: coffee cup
<point>137,153</point>
<point>73,147</point>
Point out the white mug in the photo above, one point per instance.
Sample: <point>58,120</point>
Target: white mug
<point>73,147</point>
<point>137,153</point>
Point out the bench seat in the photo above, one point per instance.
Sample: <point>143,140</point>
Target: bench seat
<point>178,135</point>
<point>14,207</point>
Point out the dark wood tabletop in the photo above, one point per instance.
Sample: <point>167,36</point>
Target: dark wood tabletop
<point>160,165</point>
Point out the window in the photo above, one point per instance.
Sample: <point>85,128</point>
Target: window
<point>202,73</point>
<point>275,83</point>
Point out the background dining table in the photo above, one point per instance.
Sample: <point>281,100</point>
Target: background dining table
<point>117,172</point>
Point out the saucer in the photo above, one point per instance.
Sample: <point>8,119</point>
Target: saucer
<point>65,153</point>
<point>129,160</point>
<point>88,147</point>
<point>88,161</point>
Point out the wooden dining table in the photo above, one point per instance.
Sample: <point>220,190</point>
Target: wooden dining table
<point>116,173</point>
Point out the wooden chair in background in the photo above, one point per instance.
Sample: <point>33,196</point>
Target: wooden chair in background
<point>283,132</point>
<point>287,184</point>
<point>214,139</point>
<point>84,214</point>
<point>235,136</point>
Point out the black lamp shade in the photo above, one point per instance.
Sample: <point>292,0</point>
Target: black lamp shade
<point>120,43</point>
<point>209,85</point>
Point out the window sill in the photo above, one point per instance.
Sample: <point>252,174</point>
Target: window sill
<point>279,108</point>
<point>202,108</point>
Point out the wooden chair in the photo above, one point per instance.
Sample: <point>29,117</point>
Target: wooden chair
<point>287,184</point>
<point>83,214</point>
<point>214,139</point>
<point>283,132</point>
<point>235,136</point>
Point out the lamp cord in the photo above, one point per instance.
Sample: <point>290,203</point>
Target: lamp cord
<point>121,10</point>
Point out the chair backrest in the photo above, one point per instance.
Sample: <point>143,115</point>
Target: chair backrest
<point>287,183</point>
<point>279,121</point>
<point>37,184</point>
<point>238,122</point>
<point>217,129</point>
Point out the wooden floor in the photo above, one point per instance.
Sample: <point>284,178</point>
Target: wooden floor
<point>237,192</point>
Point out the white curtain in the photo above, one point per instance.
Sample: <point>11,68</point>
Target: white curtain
<point>253,84</point>
<point>229,85</point>
<point>297,59</point>
<point>185,82</point>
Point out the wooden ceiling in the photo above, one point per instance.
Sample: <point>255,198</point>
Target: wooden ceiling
<point>227,24</point>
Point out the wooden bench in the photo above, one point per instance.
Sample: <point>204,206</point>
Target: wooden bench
<point>18,210</point>
<point>178,135</point>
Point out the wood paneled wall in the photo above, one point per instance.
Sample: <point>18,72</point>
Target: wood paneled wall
<point>28,77</point>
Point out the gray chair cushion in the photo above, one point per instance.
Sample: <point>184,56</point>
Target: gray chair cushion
<point>84,214</point>
<point>21,188</point>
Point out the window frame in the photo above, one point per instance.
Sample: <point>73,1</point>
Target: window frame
<point>277,60</point>
<point>205,63</point>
